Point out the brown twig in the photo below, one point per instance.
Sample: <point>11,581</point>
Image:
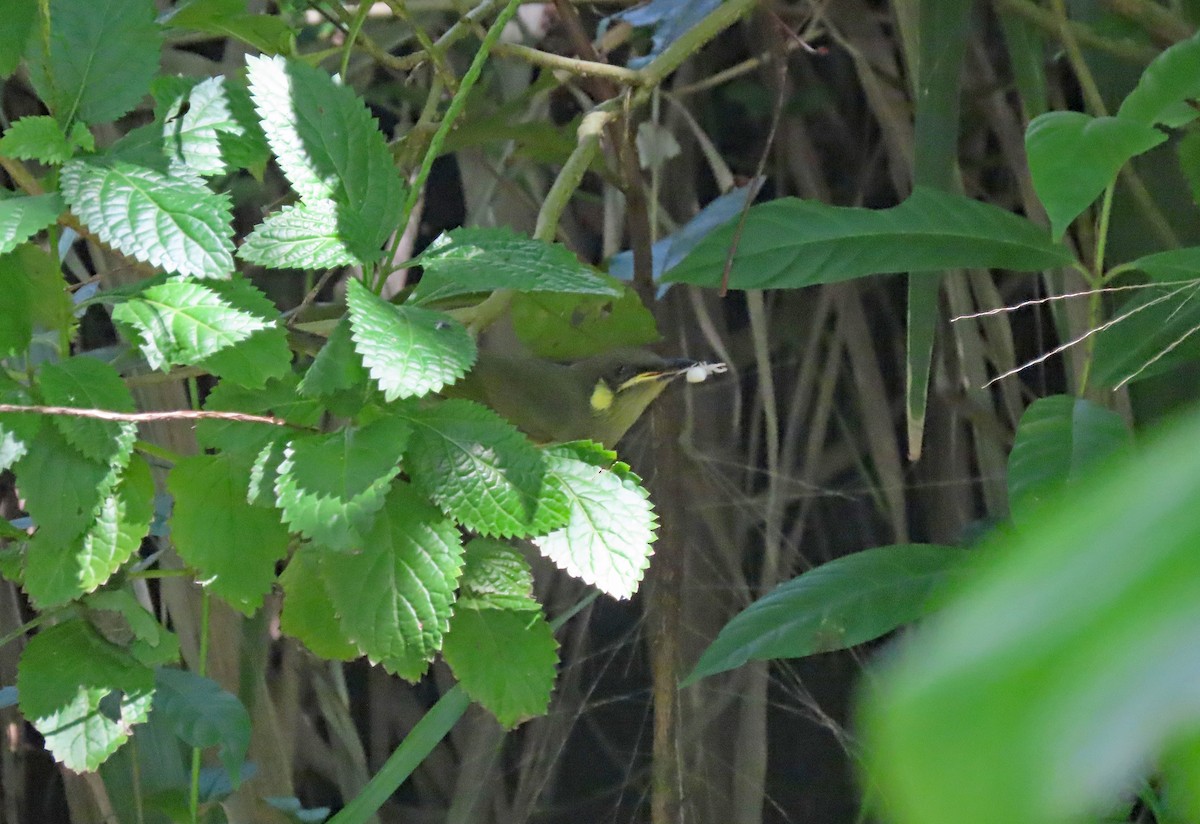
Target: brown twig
<point>145,417</point>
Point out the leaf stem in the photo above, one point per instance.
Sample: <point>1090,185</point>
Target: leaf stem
<point>202,670</point>
<point>356,25</point>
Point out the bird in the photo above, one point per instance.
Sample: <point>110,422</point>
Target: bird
<point>598,398</point>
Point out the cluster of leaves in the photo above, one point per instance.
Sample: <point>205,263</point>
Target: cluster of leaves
<point>1059,667</point>
<point>393,522</point>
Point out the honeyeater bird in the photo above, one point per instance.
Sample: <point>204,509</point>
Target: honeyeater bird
<point>596,399</point>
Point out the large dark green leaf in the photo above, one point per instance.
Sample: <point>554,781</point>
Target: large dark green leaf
<point>1074,157</point>
<point>102,56</point>
<point>1058,440</point>
<point>789,243</point>
<point>847,601</point>
<point>1067,664</point>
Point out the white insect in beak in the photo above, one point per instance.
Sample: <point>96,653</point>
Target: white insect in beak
<point>700,372</point>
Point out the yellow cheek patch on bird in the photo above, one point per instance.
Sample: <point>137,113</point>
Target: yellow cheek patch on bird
<point>602,396</point>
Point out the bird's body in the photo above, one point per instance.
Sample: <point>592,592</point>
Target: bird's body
<point>598,398</point>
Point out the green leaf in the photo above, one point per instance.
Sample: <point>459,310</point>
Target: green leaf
<point>262,357</point>
<point>1066,665</point>
<point>62,489</point>
<point>308,612</point>
<point>65,679</point>
<point>607,542</point>
<point>1059,440</point>
<point>407,350</point>
<point>17,430</point>
<point>1187,153</point>
<point>303,236</point>
<point>1166,87</point>
<point>788,243</point>
<point>16,306</point>
<point>395,596</point>
<point>183,322</point>
<point>228,18</point>
<point>83,382</point>
<point>193,124</point>
<point>234,545</point>
<point>23,217</point>
<point>40,138</point>
<point>847,601</point>
<point>330,486</point>
<point>57,572</point>
<point>1074,157</point>
<point>1157,331</point>
<point>244,440</point>
<point>496,576</point>
<point>175,224</point>
<point>330,148</point>
<point>101,59</point>
<point>204,715</point>
<point>52,309</point>
<point>476,466</point>
<point>518,688</point>
<point>1171,265</point>
<point>19,17</point>
<point>482,259</point>
<point>117,612</point>
<point>336,368</point>
<point>569,327</point>
<point>248,150</point>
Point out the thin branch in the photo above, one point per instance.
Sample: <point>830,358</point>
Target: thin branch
<point>145,417</point>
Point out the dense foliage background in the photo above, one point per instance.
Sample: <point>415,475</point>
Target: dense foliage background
<point>863,410</point>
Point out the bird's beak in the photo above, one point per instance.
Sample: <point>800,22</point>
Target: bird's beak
<point>674,368</point>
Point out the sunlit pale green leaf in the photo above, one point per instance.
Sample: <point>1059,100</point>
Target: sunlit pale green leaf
<point>330,486</point>
<point>1073,157</point>
<point>330,148</point>
<point>101,58</point>
<point>183,322</point>
<point>407,350</point>
<point>476,466</point>
<point>175,224</point>
<point>394,597</point>
<point>23,217</point>
<point>607,541</point>
<point>303,236</point>
<point>234,545</point>
<point>204,715</point>
<point>520,688</point>
<point>482,259</point>
<point>790,243</point>
<point>1059,439</point>
<point>1047,690</point>
<point>193,124</point>
<point>66,673</point>
<point>843,602</point>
